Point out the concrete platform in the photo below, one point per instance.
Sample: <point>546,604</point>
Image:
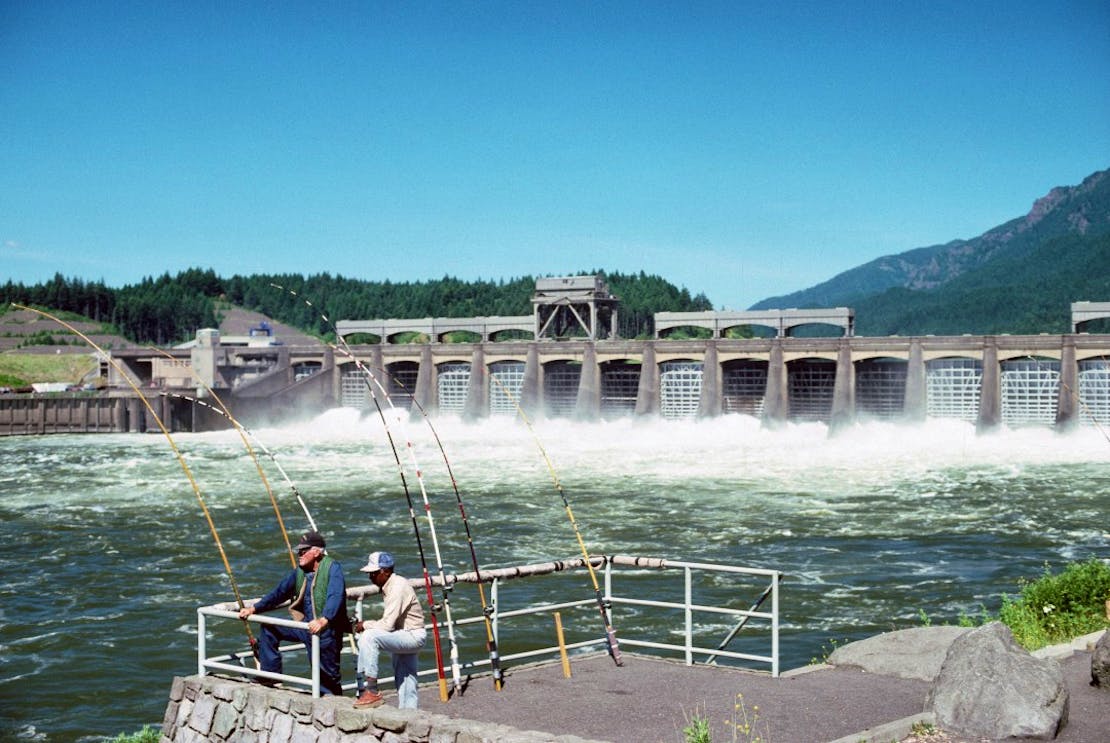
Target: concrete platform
<point>649,699</point>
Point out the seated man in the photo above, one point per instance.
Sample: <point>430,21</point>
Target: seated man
<point>400,632</point>
<point>319,596</point>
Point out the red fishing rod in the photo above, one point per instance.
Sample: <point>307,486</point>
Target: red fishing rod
<point>487,609</point>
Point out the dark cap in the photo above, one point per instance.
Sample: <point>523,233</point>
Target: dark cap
<point>311,539</point>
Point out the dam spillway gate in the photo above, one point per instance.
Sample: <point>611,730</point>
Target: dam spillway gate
<point>986,380</point>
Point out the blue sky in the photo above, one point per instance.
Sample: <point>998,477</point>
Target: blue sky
<point>740,149</point>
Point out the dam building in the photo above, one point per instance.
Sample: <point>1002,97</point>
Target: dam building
<point>565,361</point>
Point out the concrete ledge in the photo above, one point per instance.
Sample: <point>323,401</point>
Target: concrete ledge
<point>220,710</point>
<point>890,731</point>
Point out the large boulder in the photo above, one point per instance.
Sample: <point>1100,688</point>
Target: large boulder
<point>991,687</point>
<point>914,653</point>
<point>1100,662</point>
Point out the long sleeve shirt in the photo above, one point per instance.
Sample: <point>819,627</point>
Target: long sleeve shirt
<point>335,603</point>
<point>402,608</point>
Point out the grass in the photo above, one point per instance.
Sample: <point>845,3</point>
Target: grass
<point>744,725</point>
<point>21,369</point>
<point>1053,609</point>
<point>146,735</point>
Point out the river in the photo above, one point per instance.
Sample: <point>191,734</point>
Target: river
<point>106,553</point>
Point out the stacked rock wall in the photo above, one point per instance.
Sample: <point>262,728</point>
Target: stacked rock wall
<point>210,709</point>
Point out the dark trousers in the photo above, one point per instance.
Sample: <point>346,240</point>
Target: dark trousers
<point>270,658</point>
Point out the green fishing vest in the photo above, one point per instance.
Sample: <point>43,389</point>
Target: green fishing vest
<point>319,590</point>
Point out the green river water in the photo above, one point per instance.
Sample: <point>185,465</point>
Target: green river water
<point>107,555</point>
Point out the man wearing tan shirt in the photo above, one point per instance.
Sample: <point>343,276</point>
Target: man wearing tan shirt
<point>400,632</point>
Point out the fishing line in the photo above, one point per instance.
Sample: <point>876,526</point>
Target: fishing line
<point>177,452</point>
<point>243,432</point>
<point>259,444</point>
<point>250,451</point>
<point>487,610</point>
<point>367,377</point>
<point>602,605</point>
<point>1077,397</point>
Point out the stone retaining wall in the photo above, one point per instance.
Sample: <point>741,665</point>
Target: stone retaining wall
<point>208,708</point>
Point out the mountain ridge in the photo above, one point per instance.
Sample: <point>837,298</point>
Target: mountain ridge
<point>1080,211</point>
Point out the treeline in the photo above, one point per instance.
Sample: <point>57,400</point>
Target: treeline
<point>170,309</point>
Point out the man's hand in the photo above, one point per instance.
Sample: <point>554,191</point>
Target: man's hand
<point>246,611</point>
<point>316,626</point>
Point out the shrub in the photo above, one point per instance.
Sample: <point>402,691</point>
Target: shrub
<point>146,735</point>
<point>1057,608</point>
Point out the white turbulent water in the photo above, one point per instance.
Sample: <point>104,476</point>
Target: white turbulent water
<point>109,553</point>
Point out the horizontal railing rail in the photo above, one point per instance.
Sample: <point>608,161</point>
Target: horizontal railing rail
<point>616,568</point>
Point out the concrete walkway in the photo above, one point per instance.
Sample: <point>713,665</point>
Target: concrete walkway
<point>649,700</point>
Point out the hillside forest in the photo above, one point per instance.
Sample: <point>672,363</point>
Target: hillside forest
<point>170,309</point>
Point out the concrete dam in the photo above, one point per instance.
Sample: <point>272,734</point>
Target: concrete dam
<point>1060,380</point>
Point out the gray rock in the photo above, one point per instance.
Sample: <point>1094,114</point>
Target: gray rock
<point>990,687</point>
<point>1100,662</point>
<point>915,653</point>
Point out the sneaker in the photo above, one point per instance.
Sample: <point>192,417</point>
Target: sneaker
<point>369,699</point>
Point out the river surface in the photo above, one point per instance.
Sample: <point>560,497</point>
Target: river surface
<point>106,552</point>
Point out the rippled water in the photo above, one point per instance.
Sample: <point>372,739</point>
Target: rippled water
<point>107,554</point>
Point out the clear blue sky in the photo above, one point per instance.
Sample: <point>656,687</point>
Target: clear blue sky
<point>739,149</point>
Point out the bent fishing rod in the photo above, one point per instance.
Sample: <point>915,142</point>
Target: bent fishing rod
<point>269,454</point>
<point>177,452</point>
<point>487,609</point>
<point>244,431</point>
<point>602,604</point>
<point>250,451</point>
<point>367,377</point>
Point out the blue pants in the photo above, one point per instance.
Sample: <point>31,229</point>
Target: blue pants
<point>270,658</point>
<point>403,645</point>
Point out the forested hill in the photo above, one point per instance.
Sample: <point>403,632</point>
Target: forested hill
<point>170,309</point>
<point>1020,277</point>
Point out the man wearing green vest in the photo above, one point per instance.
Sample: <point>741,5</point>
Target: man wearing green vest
<point>318,596</point>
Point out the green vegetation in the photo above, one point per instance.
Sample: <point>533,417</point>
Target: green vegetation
<point>1054,608</point>
<point>743,724</point>
<point>697,727</point>
<point>1057,608</point>
<point>1022,292</point>
<point>146,735</point>
<point>171,308</point>
<point>21,369</point>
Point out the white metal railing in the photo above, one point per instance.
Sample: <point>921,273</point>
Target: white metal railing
<point>233,662</point>
<point>611,568</point>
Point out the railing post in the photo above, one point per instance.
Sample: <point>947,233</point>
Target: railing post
<point>493,601</point>
<point>775,625</point>
<point>316,666</point>
<point>201,649</point>
<point>689,616</point>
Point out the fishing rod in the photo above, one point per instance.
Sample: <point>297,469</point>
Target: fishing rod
<point>292,486</point>
<point>602,604</point>
<point>250,451</point>
<point>487,609</point>
<point>244,431</point>
<point>367,377</point>
<point>177,452</point>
